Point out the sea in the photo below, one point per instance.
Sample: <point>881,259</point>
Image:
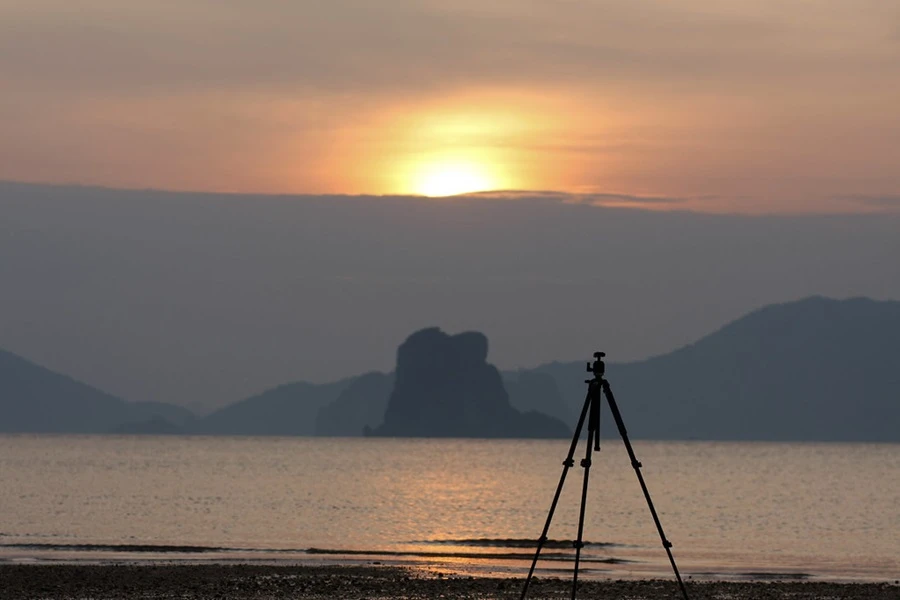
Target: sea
<point>733,510</point>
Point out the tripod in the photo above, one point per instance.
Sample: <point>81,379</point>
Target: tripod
<point>591,411</point>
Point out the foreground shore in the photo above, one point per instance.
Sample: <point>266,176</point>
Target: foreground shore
<point>257,582</point>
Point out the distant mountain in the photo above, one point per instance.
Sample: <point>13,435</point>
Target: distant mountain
<point>34,399</point>
<point>153,426</point>
<point>289,409</point>
<point>359,407</point>
<point>815,369</point>
<point>444,387</point>
<point>535,391</point>
<point>179,417</point>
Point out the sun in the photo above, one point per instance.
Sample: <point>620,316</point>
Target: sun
<point>452,179</point>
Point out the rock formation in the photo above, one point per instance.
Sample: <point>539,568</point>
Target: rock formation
<point>445,387</point>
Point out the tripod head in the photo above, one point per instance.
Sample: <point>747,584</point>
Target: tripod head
<point>598,368</point>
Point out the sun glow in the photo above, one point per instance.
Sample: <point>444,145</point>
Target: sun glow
<point>452,178</point>
<point>480,141</point>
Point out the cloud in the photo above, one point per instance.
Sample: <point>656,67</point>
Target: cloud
<point>268,96</point>
<point>594,199</point>
<point>628,199</point>
<point>414,44</point>
<point>889,201</point>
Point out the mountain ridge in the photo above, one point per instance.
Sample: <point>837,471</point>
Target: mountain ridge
<point>787,376</point>
<point>810,369</point>
<point>34,399</point>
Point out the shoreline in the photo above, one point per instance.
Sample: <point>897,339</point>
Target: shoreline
<point>265,582</point>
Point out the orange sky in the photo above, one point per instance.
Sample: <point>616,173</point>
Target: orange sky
<point>741,106</point>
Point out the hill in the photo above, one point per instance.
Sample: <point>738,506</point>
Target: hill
<point>34,399</point>
<point>288,409</point>
<point>358,408</point>
<point>815,369</point>
<point>534,391</point>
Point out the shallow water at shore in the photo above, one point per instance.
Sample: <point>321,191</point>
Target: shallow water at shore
<point>733,510</point>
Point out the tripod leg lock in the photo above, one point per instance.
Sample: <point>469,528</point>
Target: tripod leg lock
<point>586,463</point>
<point>578,544</point>
<point>568,463</point>
<point>667,544</point>
<point>636,464</point>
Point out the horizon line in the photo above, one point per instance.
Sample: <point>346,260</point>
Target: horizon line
<point>609,200</point>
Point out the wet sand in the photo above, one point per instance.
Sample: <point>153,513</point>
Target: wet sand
<point>258,582</point>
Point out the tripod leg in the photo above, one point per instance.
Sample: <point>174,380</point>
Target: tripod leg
<point>620,424</point>
<point>569,462</point>
<point>594,422</point>
<point>586,464</point>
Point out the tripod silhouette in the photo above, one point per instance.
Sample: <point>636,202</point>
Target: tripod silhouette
<point>591,411</point>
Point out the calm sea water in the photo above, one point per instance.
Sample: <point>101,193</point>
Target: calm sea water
<point>732,510</point>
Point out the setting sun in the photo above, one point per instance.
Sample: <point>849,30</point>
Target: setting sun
<point>450,148</point>
<point>451,179</point>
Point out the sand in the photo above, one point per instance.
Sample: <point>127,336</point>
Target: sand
<point>217,581</point>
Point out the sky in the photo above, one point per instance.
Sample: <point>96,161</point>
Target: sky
<point>203,199</point>
<point>756,106</point>
<point>206,299</point>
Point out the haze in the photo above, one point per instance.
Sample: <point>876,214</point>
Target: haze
<point>206,299</point>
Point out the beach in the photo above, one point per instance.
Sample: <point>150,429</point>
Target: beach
<point>264,582</point>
